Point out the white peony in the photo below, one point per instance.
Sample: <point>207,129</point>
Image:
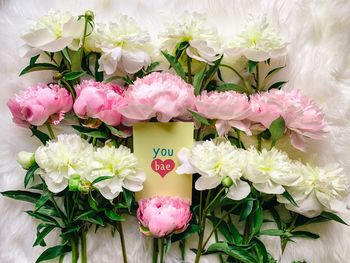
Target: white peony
<point>269,171</point>
<point>259,41</point>
<point>121,165</point>
<point>215,162</point>
<point>320,189</point>
<point>60,159</point>
<point>54,32</point>
<point>123,45</point>
<point>201,38</point>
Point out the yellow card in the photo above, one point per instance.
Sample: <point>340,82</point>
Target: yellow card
<point>156,146</point>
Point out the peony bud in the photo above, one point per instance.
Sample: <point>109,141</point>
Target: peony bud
<point>89,15</point>
<point>84,186</point>
<point>227,182</point>
<point>25,159</point>
<point>74,182</point>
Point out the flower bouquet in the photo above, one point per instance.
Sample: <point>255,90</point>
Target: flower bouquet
<point>242,140</point>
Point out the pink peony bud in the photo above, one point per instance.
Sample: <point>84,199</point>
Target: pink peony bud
<point>161,216</point>
<point>99,101</point>
<point>36,104</point>
<point>160,95</point>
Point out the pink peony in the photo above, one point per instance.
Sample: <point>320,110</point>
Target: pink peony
<point>37,104</point>
<point>160,95</point>
<point>99,101</point>
<point>302,116</point>
<point>230,109</point>
<point>161,216</point>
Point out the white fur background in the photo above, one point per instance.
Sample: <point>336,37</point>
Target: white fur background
<point>319,35</point>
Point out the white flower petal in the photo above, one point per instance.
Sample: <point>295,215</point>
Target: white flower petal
<point>205,183</point>
<point>134,61</point>
<point>269,187</point>
<point>39,37</point>
<point>239,190</point>
<point>57,45</point>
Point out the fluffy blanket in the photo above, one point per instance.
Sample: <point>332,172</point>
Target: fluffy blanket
<point>318,64</point>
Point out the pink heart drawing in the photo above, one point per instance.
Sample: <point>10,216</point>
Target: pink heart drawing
<point>163,167</point>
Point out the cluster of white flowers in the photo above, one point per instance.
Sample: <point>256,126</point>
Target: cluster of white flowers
<point>70,157</point>
<point>123,45</point>
<point>314,189</point>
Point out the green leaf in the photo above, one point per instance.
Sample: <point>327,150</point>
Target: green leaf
<point>290,198</point>
<point>247,208</point>
<point>261,250</point>
<point>128,197</point>
<point>257,219</point>
<point>175,64</point>
<point>252,65</point>
<point>277,85</point>
<point>90,216</point>
<point>37,67</point>
<point>76,60</point>
<point>151,67</point>
<point>74,75</point>
<point>199,117</point>
<point>277,129</point>
<point>22,196</point>
<point>43,137</point>
<point>110,79</point>
<point>228,230</point>
<point>117,132</point>
<point>98,74</point>
<point>272,232</point>
<point>305,234</point>
<point>231,86</point>
<point>91,132</point>
<point>198,80</point>
<point>53,252</point>
<point>332,216</point>
<point>30,174</point>
<point>273,72</point>
<point>191,229</point>
<point>101,178</point>
<point>113,215</point>
<point>41,235</point>
<point>42,217</point>
<point>211,71</point>
<point>33,59</point>
<point>92,202</point>
<point>180,49</point>
<point>42,201</point>
<point>66,55</point>
<point>231,250</point>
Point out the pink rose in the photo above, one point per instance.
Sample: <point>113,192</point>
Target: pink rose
<point>36,104</point>
<point>161,216</point>
<point>161,95</point>
<point>230,109</point>
<point>302,116</point>
<point>99,101</point>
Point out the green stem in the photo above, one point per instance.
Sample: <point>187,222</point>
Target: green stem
<point>48,126</point>
<point>200,240</point>
<point>259,142</point>
<point>234,70</point>
<point>75,254</point>
<point>122,242</point>
<point>215,198</point>
<point>83,246</point>
<point>84,36</point>
<point>217,240</point>
<point>69,87</point>
<point>239,138</point>
<point>161,250</point>
<point>189,73</point>
<point>155,250</point>
<point>217,225</point>
<point>200,203</point>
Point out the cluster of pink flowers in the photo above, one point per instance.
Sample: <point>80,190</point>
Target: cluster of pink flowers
<point>161,216</point>
<point>166,96</point>
<point>39,104</point>
<point>302,116</point>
